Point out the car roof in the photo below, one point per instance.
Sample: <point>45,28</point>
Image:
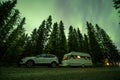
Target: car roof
<point>47,54</point>
<point>78,53</point>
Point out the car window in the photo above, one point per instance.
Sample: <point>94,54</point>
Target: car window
<point>42,55</point>
<point>47,55</point>
<point>50,56</point>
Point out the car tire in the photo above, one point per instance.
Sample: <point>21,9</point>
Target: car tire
<point>29,63</point>
<point>53,64</point>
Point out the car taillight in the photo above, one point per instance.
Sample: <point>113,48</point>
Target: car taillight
<point>65,58</point>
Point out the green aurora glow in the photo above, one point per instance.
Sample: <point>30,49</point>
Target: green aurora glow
<point>72,12</point>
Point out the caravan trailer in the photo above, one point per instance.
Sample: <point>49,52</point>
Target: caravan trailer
<point>77,59</point>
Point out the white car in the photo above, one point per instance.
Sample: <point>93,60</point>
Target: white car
<point>77,59</point>
<point>48,59</point>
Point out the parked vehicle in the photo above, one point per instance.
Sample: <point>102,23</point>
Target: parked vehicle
<point>77,59</point>
<point>47,59</point>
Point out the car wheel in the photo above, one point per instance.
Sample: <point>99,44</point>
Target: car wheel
<point>53,64</point>
<point>30,63</point>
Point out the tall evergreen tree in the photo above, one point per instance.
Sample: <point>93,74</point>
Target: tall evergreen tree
<point>52,46</point>
<point>109,49</point>
<point>80,40</point>
<point>70,39</point>
<point>62,41</point>
<point>75,41</point>
<point>86,44</point>
<point>49,24</point>
<point>11,42</point>
<point>7,20</point>
<point>32,43</point>
<point>19,48</point>
<point>95,49</point>
<point>41,38</point>
<point>9,25</point>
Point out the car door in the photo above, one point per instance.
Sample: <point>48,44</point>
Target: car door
<point>49,58</point>
<point>41,59</point>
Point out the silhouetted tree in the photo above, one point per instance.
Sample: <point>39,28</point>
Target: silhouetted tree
<point>40,41</point>
<point>62,43</point>
<point>70,39</point>
<point>8,17</point>
<point>109,49</point>
<point>49,24</point>
<point>52,45</point>
<point>8,27</point>
<point>10,54</point>
<point>39,38</point>
<point>95,49</point>
<point>80,41</point>
<point>86,44</point>
<point>32,43</point>
<point>19,48</point>
<point>76,41</point>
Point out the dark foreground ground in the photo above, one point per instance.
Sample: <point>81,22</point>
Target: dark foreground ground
<point>45,73</point>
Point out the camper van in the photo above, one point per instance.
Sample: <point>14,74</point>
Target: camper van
<point>77,59</point>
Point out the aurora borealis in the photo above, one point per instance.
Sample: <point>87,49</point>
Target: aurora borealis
<point>72,12</point>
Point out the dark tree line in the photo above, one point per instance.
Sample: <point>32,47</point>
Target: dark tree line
<point>50,38</point>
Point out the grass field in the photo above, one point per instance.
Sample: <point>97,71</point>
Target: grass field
<point>45,73</point>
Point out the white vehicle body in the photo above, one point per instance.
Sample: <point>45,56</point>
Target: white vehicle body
<point>77,59</point>
<point>40,59</point>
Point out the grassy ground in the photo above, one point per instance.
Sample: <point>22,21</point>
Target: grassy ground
<point>45,73</point>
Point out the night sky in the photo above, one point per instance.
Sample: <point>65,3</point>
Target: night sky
<point>72,12</point>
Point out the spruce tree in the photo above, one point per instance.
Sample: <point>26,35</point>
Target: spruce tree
<point>109,49</point>
<point>80,41</point>
<point>75,41</point>
<point>70,39</point>
<point>62,41</point>
<point>41,38</point>
<point>95,49</point>
<point>11,42</point>
<point>8,27</point>
<point>43,35</point>
<point>52,46</point>
<point>7,21</point>
<point>86,44</point>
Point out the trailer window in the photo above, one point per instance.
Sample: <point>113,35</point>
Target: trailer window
<point>75,56</point>
<point>86,57</point>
